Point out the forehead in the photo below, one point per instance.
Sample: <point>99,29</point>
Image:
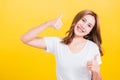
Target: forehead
<point>90,19</point>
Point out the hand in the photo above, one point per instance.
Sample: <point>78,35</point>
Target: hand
<point>93,66</point>
<point>56,23</point>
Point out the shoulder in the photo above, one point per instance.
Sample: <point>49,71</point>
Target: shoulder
<point>92,44</point>
<point>93,48</point>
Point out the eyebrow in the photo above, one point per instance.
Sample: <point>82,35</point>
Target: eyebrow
<point>85,19</point>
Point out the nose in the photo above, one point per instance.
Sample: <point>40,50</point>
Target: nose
<point>83,26</point>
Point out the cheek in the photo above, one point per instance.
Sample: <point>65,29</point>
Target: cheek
<point>75,27</point>
<point>89,30</point>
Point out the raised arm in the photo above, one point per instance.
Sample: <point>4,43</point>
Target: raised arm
<point>30,38</point>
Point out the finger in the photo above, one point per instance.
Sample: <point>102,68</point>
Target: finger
<point>60,16</point>
<point>89,67</point>
<point>89,63</point>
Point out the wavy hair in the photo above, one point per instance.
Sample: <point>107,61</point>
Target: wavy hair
<point>94,35</point>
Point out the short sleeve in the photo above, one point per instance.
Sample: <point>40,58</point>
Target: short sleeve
<point>51,44</point>
<point>94,50</point>
<point>97,52</point>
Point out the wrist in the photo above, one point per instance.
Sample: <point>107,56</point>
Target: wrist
<point>96,71</point>
<point>47,24</point>
<point>96,75</point>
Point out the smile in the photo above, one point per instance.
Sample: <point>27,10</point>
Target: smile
<point>79,29</point>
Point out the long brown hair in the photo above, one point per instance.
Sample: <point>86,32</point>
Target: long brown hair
<point>94,35</point>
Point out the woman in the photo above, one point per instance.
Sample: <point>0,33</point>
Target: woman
<point>78,54</point>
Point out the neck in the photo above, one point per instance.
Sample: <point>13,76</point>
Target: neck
<point>78,40</point>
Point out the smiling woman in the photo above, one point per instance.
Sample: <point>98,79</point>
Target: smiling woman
<point>84,25</point>
<point>78,54</point>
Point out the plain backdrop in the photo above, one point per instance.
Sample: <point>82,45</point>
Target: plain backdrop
<point>21,62</point>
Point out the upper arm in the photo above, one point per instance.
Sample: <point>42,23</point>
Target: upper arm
<point>37,42</point>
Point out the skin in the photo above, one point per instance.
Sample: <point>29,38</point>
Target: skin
<point>82,28</point>
<point>84,25</point>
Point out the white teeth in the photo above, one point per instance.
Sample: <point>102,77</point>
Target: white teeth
<point>79,29</point>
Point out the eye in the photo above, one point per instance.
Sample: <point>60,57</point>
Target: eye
<point>89,26</point>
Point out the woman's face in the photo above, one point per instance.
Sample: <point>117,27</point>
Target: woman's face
<point>84,25</point>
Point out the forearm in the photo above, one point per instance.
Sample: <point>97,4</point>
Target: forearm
<point>32,33</point>
<point>96,76</point>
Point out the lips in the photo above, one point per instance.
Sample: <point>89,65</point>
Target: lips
<point>80,29</point>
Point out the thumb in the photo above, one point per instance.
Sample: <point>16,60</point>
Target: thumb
<point>60,17</point>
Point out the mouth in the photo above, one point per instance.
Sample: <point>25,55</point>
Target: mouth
<point>80,29</point>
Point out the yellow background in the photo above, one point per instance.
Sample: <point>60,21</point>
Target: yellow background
<point>21,62</point>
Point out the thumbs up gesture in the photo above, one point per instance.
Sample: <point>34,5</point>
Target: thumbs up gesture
<point>56,23</point>
<point>93,65</point>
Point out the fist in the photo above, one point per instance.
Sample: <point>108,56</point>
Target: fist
<point>58,23</point>
<point>93,65</point>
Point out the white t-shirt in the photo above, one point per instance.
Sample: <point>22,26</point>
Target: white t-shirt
<point>72,66</point>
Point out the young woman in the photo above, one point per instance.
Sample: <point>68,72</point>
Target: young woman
<point>78,54</point>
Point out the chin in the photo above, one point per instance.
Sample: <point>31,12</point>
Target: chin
<point>79,34</point>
